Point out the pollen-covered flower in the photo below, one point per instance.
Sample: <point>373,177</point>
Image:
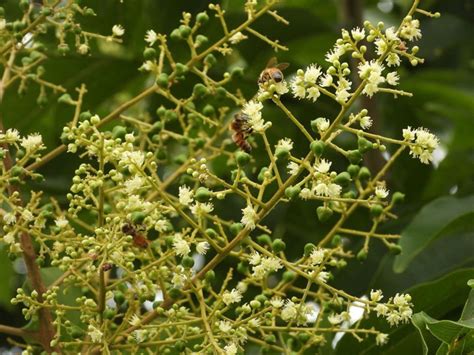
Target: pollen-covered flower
<point>134,320</point>
<point>118,30</point>
<point>335,319</point>
<point>277,302</point>
<point>232,296</point>
<point>249,217</point>
<point>61,222</point>
<point>376,295</point>
<point>342,96</point>
<point>281,87</point>
<point>151,37</point>
<point>313,93</point>
<point>253,110</point>
<point>202,248</point>
<point>284,144</point>
<point>289,311</point>
<point>424,143</point>
<point>317,256</point>
<point>134,184</point>
<point>225,326</point>
<point>9,218</point>
<point>393,60</point>
<point>326,80</point>
<point>312,74</point>
<point>180,246</point>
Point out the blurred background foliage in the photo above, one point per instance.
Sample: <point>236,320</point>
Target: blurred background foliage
<point>436,219</point>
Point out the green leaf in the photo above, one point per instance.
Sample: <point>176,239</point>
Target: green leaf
<point>428,224</point>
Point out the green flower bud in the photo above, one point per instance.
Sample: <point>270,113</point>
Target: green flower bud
<point>180,159</point>
<point>282,153</point>
<point>65,99</point>
<point>210,60</point>
<point>288,276</point>
<point>200,90</point>
<point>156,127</point>
<point>398,197</point>
<point>364,173</point>
<point>202,17</point>
<point>243,268</point>
<point>343,178</point>
<point>109,313</point>
<point>210,276</point>
<point>237,72</point>
<point>324,213</point>
<point>255,304</point>
<point>292,191</point>
<point>395,249</point>
<point>235,228</point>
<point>119,297</point>
<point>175,34</point>
<point>242,158</point>
<point>187,262</point>
<point>162,80</point>
<point>138,217</point>
<point>161,111</point>
<point>202,194</point>
<point>261,174</point>
<point>278,245</point>
<point>17,171</point>
<point>317,147</point>
<point>353,169</point>
<point>308,249</point>
<point>376,210</point>
<point>201,39</point>
<point>185,31</point>
<point>270,339</point>
<point>336,240</point>
<point>362,255</point>
<point>181,69</point>
<point>170,115</point>
<point>174,293</point>
<point>264,239</point>
<point>208,110</point>
<point>363,144</point>
<point>149,53</point>
<point>119,132</point>
<point>354,156</point>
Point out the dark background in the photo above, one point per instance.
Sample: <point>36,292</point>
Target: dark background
<point>443,102</point>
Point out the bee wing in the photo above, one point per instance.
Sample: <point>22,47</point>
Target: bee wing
<point>283,66</point>
<point>272,62</point>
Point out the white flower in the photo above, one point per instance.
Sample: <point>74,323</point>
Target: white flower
<point>200,209</point>
<point>381,309</point>
<point>335,53</point>
<point>323,166</point>
<point>179,277</point>
<point>10,136</point>
<point>237,37</point>
<point>133,159</point>
<point>293,168</point>
<point>134,184</point>
<point>118,30</point>
<point>27,215</point>
<point>253,108</point>
<point>9,238</point>
<point>202,248</point>
<point>32,142</point>
<point>134,320</point>
<point>271,264</point>
<point>367,68</point>
<point>323,276</point>
<point>61,222</point>
<point>276,302</point>
<point>392,78</point>
<point>233,296</point>
<point>94,333</point>
<point>225,326</point>
<point>140,335</point>
<point>317,256</point>
<point>255,258</point>
<point>254,323</point>
<point>393,60</point>
<point>298,88</point>
<point>358,34</point>
<point>285,144</point>
<point>381,46</point>
<point>381,192</point>
<point>289,311</point>
<point>342,96</point>
<point>185,195</point>
<point>281,87</point>
<point>83,49</point>
<point>411,30</point>
<point>326,80</point>
<point>365,122</point>
<point>149,66</point>
<point>180,245</point>
<point>391,34</point>
<point>306,193</point>
<point>313,93</point>
<point>394,318</point>
<point>9,218</point>
<point>335,319</point>
<point>249,217</point>
<point>424,145</point>
<point>376,295</point>
<point>408,134</point>
<point>151,37</point>
<point>230,349</point>
<point>312,74</point>
<point>381,339</point>
<point>322,124</point>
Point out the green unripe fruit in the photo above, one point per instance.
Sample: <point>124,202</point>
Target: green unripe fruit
<point>210,276</point>
<point>161,111</point>
<point>180,159</point>
<point>364,173</point>
<point>262,173</point>
<point>76,332</point>
<point>200,90</point>
<point>308,249</point>
<point>243,268</point>
<point>119,132</point>
<point>187,262</point>
<point>395,249</point>
<point>17,171</point>
<point>264,239</point>
<point>202,194</point>
<point>210,60</point>
<point>362,255</point>
<point>237,72</point>
<point>119,297</point>
<point>208,110</point>
<point>162,80</point>
<point>282,153</point>
<point>363,144</point>
<point>317,147</point>
<point>180,345</point>
<point>109,313</point>
<point>185,31</point>
<point>65,99</point>
<point>278,245</point>
<point>288,276</point>
<point>292,192</point>
<point>170,115</point>
<point>398,197</point>
<point>336,240</point>
<point>242,158</point>
<point>343,178</point>
<point>353,170</point>
<point>235,228</point>
<point>211,233</point>
<point>174,293</point>
<point>138,217</point>
<point>181,69</point>
<point>376,210</point>
<point>324,213</point>
<point>201,39</point>
<point>149,53</point>
<point>354,156</point>
<point>270,339</point>
<point>175,34</point>
<point>156,127</point>
<point>202,17</point>
<point>255,304</point>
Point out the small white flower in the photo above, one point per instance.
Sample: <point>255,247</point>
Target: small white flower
<point>281,88</point>
<point>255,258</point>
<point>408,134</point>
<point>312,74</point>
<point>323,166</point>
<point>253,108</point>
<point>326,80</point>
<point>61,222</point>
<point>285,144</point>
<point>230,349</point>
<point>381,309</point>
<point>365,122</point>
<point>134,321</point>
<point>233,296</point>
<point>237,37</point>
<point>381,192</point>
<point>392,78</point>
<point>9,238</point>
<point>249,217</point>
<point>376,295</point>
<point>3,24</point>
<point>32,142</point>
<point>313,93</point>
<point>293,168</point>
<point>225,326</point>
<point>335,319</point>
<point>140,335</point>
<point>271,264</point>
<point>27,215</point>
<point>276,302</point>
<point>118,30</point>
<point>185,195</point>
<point>202,248</point>
<point>9,218</point>
<point>289,311</point>
<point>134,184</point>
<point>317,256</point>
<point>381,339</point>
<point>306,193</point>
<point>83,49</point>
<point>411,30</point>
<point>342,96</point>
<point>322,124</point>
<point>151,37</point>
<point>11,135</point>
<point>180,245</point>
<point>199,209</point>
<point>391,34</point>
<point>358,34</point>
<point>94,333</point>
<point>393,60</point>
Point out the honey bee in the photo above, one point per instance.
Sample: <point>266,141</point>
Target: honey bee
<point>242,130</point>
<point>273,71</point>
<point>138,239</point>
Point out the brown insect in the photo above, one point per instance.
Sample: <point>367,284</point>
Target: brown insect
<point>242,130</point>
<point>273,71</point>
<point>138,239</point>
